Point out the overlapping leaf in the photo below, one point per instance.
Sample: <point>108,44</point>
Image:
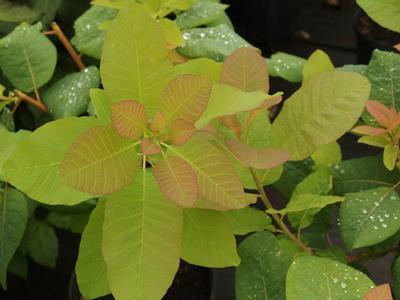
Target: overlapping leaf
<point>185,97</point>
<point>318,62</point>
<point>129,118</point>
<point>217,179</point>
<point>135,62</point>
<point>380,292</point>
<point>100,161</point>
<point>257,158</point>
<point>181,131</point>
<point>245,69</point>
<point>177,180</point>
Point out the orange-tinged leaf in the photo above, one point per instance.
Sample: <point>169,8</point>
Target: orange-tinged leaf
<point>369,130</point>
<point>177,180</point>
<point>217,179</point>
<point>181,131</point>
<point>185,97</point>
<point>129,118</point>
<point>158,124</point>
<point>149,147</point>
<point>177,58</point>
<point>380,292</point>
<point>257,158</point>
<point>270,102</point>
<point>384,115</point>
<point>397,47</point>
<point>100,161</point>
<point>247,70</point>
<point>232,123</point>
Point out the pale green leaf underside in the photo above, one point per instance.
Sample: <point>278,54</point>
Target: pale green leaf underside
<point>33,167</point>
<point>142,241</point>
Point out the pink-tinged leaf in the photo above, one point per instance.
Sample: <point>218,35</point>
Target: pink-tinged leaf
<point>158,124</point>
<point>384,115</point>
<point>397,47</point>
<point>257,158</point>
<point>149,147</point>
<point>247,70</point>
<point>177,180</point>
<point>100,161</point>
<point>369,130</point>
<point>181,131</point>
<point>185,97</point>
<point>380,292</point>
<point>129,118</point>
<point>232,123</point>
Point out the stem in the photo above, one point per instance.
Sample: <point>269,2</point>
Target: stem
<point>67,44</point>
<point>24,97</point>
<point>277,218</point>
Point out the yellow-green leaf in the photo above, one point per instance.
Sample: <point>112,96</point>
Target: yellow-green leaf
<point>100,161</point>
<point>318,62</point>
<point>135,62</point>
<point>201,66</point>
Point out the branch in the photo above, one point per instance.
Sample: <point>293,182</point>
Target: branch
<point>67,44</point>
<point>24,97</point>
<point>277,218</point>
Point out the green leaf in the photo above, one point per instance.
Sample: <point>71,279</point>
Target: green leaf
<point>360,174</point>
<point>262,272</point>
<point>311,277</point>
<point>384,74</point>
<point>318,62</point>
<point>361,69</point>
<point>247,220</point>
<point>33,167</point>
<point>90,267</point>
<point>47,9</point>
<point>19,265</point>
<point>305,202</point>
<point>200,13</point>
<point>13,219</point>
<point>40,242</point>
<point>89,38</point>
<point>217,179</point>
<point>70,95</point>
<point>334,101</point>
<point>100,161</point>
<point>369,217</point>
<point>141,240</point>
<point>385,13</point>
<point>396,275</point>
<point>36,60</point>
<point>390,155</point>
<point>8,142</point>
<point>317,183</point>
<point>7,119</point>
<point>185,97</point>
<point>16,13</point>
<point>293,173</point>
<point>286,66</point>
<point>327,155</point>
<point>135,62</point>
<point>212,42</point>
<point>208,240</point>
<point>200,66</point>
<point>228,100</point>
<point>102,104</point>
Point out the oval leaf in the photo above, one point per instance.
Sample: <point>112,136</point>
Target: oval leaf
<point>177,180</point>
<point>129,118</point>
<point>247,70</point>
<point>100,161</point>
<point>380,292</point>
<point>181,131</point>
